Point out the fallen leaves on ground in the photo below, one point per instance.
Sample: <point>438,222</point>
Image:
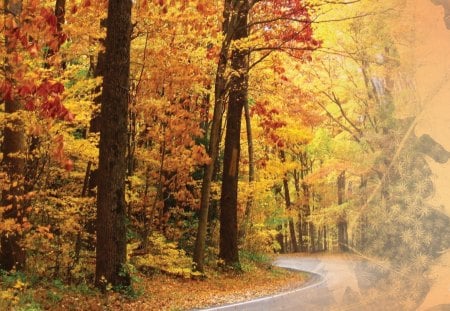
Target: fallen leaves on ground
<point>164,292</point>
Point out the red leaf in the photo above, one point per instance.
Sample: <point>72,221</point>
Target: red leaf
<point>26,89</point>
<point>49,17</point>
<point>43,89</point>
<point>58,88</point>
<point>6,91</point>
<point>30,106</point>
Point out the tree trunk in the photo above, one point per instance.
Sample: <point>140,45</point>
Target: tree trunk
<point>342,221</point>
<point>111,206</point>
<point>308,227</point>
<point>287,199</point>
<point>319,240</point>
<point>251,172</point>
<point>228,247</point>
<point>280,239</point>
<point>60,12</point>
<point>312,246</point>
<point>13,164</point>
<point>214,140</point>
<point>300,212</point>
<point>293,236</point>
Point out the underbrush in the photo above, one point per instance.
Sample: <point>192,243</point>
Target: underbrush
<point>163,278</point>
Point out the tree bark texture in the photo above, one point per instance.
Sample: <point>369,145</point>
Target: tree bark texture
<point>111,207</point>
<point>13,148</point>
<point>214,140</point>
<point>228,246</point>
<point>60,12</point>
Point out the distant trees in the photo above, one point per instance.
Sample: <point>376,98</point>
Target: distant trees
<point>274,26</point>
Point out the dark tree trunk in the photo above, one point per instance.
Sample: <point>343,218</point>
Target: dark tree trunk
<point>342,221</point>
<point>280,239</point>
<point>13,164</point>
<point>300,212</point>
<point>319,240</point>
<point>60,12</point>
<point>312,246</point>
<point>308,226</point>
<point>214,140</point>
<point>301,247</point>
<point>287,199</point>
<point>251,172</point>
<point>228,247</point>
<point>293,236</point>
<point>111,206</point>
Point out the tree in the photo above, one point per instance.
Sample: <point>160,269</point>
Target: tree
<point>228,250</point>
<point>111,206</point>
<point>27,89</point>
<point>13,148</point>
<point>220,92</point>
<point>277,26</point>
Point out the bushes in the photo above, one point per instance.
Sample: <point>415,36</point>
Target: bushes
<point>162,256</point>
<point>260,239</point>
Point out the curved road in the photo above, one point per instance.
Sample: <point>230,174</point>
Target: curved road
<point>336,283</point>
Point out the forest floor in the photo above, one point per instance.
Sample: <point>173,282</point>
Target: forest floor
<point>164,292</point>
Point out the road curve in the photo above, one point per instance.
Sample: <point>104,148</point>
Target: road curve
<point>336,283</point>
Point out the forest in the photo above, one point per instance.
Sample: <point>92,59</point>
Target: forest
<point>152,142</point>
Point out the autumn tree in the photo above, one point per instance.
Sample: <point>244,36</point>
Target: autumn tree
<point>230,15</point>
<point>237,98</point>
<point>296,38</point>
<point>29,91</point>
<point>13,148</point>
<point>111,206</point>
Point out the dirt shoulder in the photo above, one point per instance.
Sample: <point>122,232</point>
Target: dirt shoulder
<point>164,292</point>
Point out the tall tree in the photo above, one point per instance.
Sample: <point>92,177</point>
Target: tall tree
<point>13,148</point>
<point>111,206</point>
<point>238,93</point>
<point>287,200</point>
<point>251,171</point>
<point>220,91</point>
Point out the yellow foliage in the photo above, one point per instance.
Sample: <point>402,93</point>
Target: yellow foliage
<point>261,240</point>
<point>163,255</point>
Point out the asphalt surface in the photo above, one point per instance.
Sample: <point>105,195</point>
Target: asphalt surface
<point>336,283</point>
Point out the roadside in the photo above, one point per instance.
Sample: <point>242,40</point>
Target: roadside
<point>160,291</point>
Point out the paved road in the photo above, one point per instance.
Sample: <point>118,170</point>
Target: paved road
<point>336,283</point>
